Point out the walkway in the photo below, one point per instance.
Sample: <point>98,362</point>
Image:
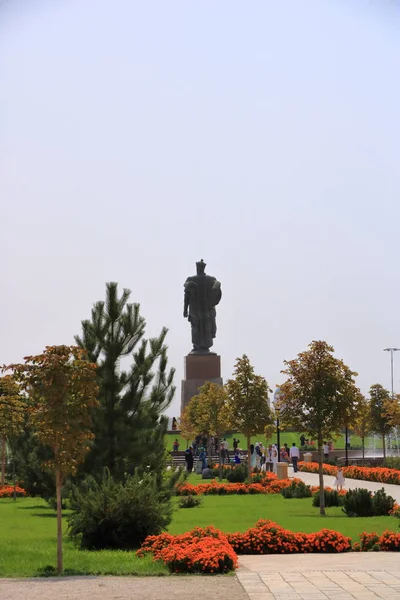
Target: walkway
<point>358,576</point>
<point>350,484</point>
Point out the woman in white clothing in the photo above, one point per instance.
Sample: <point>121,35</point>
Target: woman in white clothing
<point>274,458</point>
<point>340,480</point>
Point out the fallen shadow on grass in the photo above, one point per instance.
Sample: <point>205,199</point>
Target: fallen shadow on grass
<point>50,572</point>
<point>53,515</point>
<point>35,507</point>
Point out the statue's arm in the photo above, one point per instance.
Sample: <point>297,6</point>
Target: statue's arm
<point>185,301</point>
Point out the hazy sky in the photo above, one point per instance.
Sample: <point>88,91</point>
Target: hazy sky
<point>140,136</point>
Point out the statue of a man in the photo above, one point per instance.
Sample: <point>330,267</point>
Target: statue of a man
<point>202,294</point>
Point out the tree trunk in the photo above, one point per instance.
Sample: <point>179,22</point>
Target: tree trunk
<point>384,446</point>
<point>321,478</point>
<point>249,457</point>
<point>220,460</point>
<point>3,461</point>
<point>13,474</point>
<point>363,449</point>
<point>59,523</point>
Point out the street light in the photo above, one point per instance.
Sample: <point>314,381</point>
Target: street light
<point>278,431</point>
<point>392,351</point>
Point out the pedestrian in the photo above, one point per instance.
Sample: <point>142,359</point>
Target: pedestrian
<point>287,450</point>
<point>275,458</point>
<point>189,459</point>
<point>340,480</point>
<point>235,444</point>
<point>284,454</point>
<point>223,453</point>
<point>326,450</point>
<point>294,456</point>
<point>176,445</point>
<point>236,458</point>
<point>253,457</point>
<point>302,440</point>
<point>269,466</point>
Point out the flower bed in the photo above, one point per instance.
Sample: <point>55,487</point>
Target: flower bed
<point>208,550</point>
<point>266,483</point>
<point>7,491</point>
<point>202,550</point>
<point>268,537</point>
<point>376,474</point>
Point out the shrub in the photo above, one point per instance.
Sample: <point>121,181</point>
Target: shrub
<point>361,503</point>
<point>202,550</point>
<point>389,541</point>
<point>297,489</point>
<point>377,474</point>
<point>189,501</point>
<point>358,503</point>
<point>368,542</point>
<point>392,462</point>
<point>237,474</point>
<point>382,504</point>
<point>113,514</point>
<point>332,498</point>
<point>7,491</point>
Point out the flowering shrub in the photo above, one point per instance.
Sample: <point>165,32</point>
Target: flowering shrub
<point>389,541</point>
<point>368,541</point>
<point>265,483</point>
<point>7,491</point>
<point>377,474</point>
<point>202,550</point>
<point>268,537</point>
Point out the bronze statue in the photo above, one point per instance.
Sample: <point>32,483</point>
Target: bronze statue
<point>202,294</point>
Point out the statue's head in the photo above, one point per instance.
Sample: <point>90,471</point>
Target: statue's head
<point>201,267</point>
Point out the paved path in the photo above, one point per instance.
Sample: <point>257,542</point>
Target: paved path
<point>350,484</point>
<point>124,588</point>
<point>358,576</point>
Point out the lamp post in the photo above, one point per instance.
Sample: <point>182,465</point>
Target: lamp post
<point>278,431</point>
<point>392,351</point>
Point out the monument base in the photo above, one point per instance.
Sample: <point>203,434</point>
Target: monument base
<point>199,368</point>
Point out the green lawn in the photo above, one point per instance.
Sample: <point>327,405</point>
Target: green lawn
<point>28,545</point>
<point>287,437</point>
<point>238,513</point>
<point>28,532</point>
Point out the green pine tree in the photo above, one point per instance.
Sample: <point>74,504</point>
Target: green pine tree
<point>129,427</point>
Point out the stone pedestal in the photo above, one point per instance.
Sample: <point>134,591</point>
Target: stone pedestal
<point>199,368</point>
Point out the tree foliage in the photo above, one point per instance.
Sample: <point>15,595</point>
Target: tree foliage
<point>61,385</point>
<point>128,426</point>
<point>380,405</point>
<point>248,399</point>
<point>12,416</point>
<point>362,425</point>
<point>318,397</point>
<point>208,414</point>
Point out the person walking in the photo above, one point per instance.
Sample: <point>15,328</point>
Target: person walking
<point>189,459</point>
<point>326,450</point>
<point>294,456</point>
<point>302,440</point>
<point>275,458</point>
<point>340,480</point>
<point>269,466</point>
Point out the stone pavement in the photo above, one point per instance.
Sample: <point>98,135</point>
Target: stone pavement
<point>350,484</point>
<point>358,576</point>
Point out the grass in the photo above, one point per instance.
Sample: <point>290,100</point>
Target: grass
<point>28,532</point>
<point>28,546</point>
<point>238,513</point>
<point>287,437</point>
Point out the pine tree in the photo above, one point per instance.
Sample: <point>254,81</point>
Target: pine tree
<point>128,426</point>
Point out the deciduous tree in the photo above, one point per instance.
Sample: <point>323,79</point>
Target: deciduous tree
<point>128,424</point>
<point>362,424</point>
<point>319,393</point>
<point>208,414</point>
<point>62,389</point>
<point>381,422</point>
<point>12,418</point>
<point>248,399</point>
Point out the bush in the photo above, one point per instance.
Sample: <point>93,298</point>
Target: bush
<point>237,474</point>
<point>382,504</point>
<point>358,503</point>
<point>368,542</point>
<point>189,501</point>
<point>202,550</point>
<point>112,514</point>
<point>297,489</point>
<point>392,462</point>
<point>390,541</point>
<point>332,498</point>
